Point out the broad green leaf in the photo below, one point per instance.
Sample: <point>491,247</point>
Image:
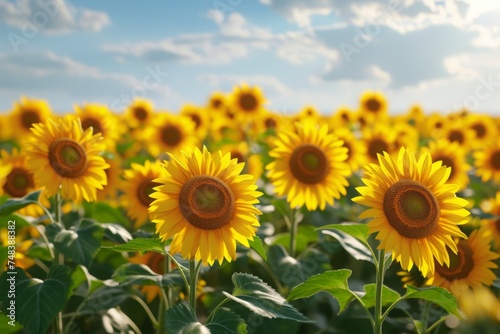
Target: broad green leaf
<point>435,295</point>
<point>140,245</point>
<point>104,298</point>
<point>80,243</point>
<point>257,245</point>
<point>104,213</point>
<point>251,292</point>
<point>333,282</point>
<point>9,326</point>
<point>38,302</point>
<point>20,222</point>
<point>131,273</point>
<point>389,296</point>
<point>84,283</point>
<point>225,321</point>
<point>13,204</point>
<point>116,233</point>
<point>181,320</point>
<point>306,235</point>
<point>352,245</point>
<point>358,231</point>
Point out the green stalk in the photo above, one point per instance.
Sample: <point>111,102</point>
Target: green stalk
<point>378,318</point>
<point>193,280</point>
<point>293,234</point>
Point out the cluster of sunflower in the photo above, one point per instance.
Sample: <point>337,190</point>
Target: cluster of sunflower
<point>195,178</point>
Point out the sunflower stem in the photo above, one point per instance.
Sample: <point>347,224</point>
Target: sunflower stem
<point>193,279</point>
<point>378,318</point>
<point>58,258</point>
<point>293,234</point>
<point>425,316</point>
<point>161,314</point>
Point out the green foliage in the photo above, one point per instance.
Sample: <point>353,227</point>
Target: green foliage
<point>140,245</point>
<point>436,295</point>
<point>11,205</point>
<point>389,296</point>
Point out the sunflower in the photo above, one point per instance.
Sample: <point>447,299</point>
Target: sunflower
<point>137,186</point>
<point>471,267</point>
<point>356,151</point>
<point>102,120</point>
<point>405,135</point>
<point>26,113</point>
<point>5,128</point>
<point>61,155</point>
<point>433,124</point>
<point>205,205</point>
<point>484,129</point>
<point>492,206</point>
<point>169,133</point>
<point>480,304</point>
<point>113,173</point>
<point>241,152</point>
<point>415,116</point>
<point>247,102</point>
<point>456,132</point>
<point>4,172</point>
<point>454,156</point>
<point>378,139</point>
<point>487,162</point>
<point>199,117</point>
<point>307,114</point>
<point>217,102</point>
<point>310,167</point>
<point>139,113</point>
<point>19,181</point>
<point>414,211</point>
<point>225,129</point>
<point>412,277</point>
<point>342,117</point>
<point>373,105</point>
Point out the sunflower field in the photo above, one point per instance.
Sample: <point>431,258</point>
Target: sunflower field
<point>229,217</point>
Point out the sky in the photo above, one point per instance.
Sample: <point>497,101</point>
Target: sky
<point>442,54</point>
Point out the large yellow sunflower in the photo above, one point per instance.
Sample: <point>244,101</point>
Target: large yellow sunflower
<point>413,210</point>
<point>102,120</point>
<point>137,186</point>
<point>310,167</point>
<point>205,205</point>
<point>19,181</point>
<point>63,156</point>
<point>451,155</point>
<point>26,113</point>
<point>487,162</point>
<point>247,102</point>
<point>169,133</point>
<point>471,267</point>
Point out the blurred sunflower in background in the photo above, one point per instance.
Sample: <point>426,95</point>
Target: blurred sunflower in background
<point>217,103</point>
<point>247,102</point>
<point>456,132</point>
<point>378,139</point>
<point>139,113</point>
<point>101,120</point>
<point>454,156</point>
<point>137,186</point>
<point>373,105</point>
<point>405,136</point>
<point>63,157</point>
<point>433,124</point>
<point>413,211</point>
<point>309,167</point>
<point>241,152</point>
<point>109,192</point>
<point>470,267</point>
<point>343,117</point>
<point>199,117</point>
<point>492,225</point>
<point>484,129</point>
<point>169,133</point>
<point>487,161</point>
<point>356,151</point>
<point>26,113</point>
<point>205,205</point>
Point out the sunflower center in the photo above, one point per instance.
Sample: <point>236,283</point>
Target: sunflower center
<point>29,117</point>
<point>373,105</point>
<point>480,130</point>
<point>447,161</point>
<point>18,182</point>
<point>456,135</point>
<point>411,209</point>
<point>140,113</point>
<point>248,102</point>
<point>67,158</point>
<point>438,125</point>
<point>92,122</point>
<point>196,119</point>
<point>377,146</point>
<point>270,123</point>
<point>495,160</point>
<point>345,116</point>
<point>206,202</point>
<point>309,164</point>
<point>461,264</point>
<point>144,190</point>
<point>216,103</point>
<point>171,135</point>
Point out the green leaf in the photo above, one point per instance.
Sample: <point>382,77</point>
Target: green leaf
<point>104,213</point>
<point>225,321</point>
<point>181,320</point>
<point>37,301</point>
<point>140,245</point>
<point>352,245</point>
<point>438,296</point>
<point>116,233</point>
<point>80,243</point>
<point>20,221</point>
<point>104,298</point>
<point>130,273</point>
<point>306,235</point>
<point>389,296</point>
<point>13,204</point>
<point>332,281</point>
<point>251,292</point>
<point>6,325</point>
<point>358,231</point>
<point>257,245</point>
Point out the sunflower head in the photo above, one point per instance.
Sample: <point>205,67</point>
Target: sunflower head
<point>26,113</point>
<point>373,105</point>
<point>63,156</point>
<point>453,156</point>
<point>199,117</point>
<point>139,113</point>
<point>413,211</point>
<point>206,205</point>
<point>487,161</point>
<point>247,102</point>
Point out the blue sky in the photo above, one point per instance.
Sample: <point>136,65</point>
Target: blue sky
<point>443,54</point>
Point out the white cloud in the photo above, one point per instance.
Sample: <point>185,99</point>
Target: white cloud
<point>51,16</point>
